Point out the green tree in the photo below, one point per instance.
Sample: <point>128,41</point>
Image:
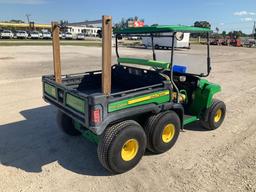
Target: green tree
<point>121,25</point>
<point>203,24</point>
<point>224,33</point>
<point>236,34</point>
<point>63,25</point>
<point>16,21</point>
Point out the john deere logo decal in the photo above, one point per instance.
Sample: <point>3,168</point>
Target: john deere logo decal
<point>157,97</point>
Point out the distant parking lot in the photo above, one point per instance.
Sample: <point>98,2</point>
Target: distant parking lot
<point>28,42</point>
<point>42,35</point>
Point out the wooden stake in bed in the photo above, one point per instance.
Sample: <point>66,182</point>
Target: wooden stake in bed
<point>106,54</point>
<point>56,51</point>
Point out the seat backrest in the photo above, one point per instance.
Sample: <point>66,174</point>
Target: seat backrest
<point>151,63</point>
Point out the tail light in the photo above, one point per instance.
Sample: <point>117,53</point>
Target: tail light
<point>96,115</point>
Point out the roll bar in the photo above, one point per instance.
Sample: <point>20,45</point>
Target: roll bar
<point>152,35</point>
<point>106,53</point>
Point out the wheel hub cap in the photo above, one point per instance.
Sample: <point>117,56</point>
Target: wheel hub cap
<point>217,116</point>
<point>129,149</point>
<point>168,133</point>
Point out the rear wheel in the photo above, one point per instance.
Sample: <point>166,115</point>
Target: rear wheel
<point>157,46</point>
<point>66,123</point>
<point>162,131</point>
<point>122,146</point>
<point>145,46</point>
<point>216,115</point>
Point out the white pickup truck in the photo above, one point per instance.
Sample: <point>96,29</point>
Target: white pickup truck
<point>21,35</point>
<point>80,36</point>
<point>68,36</point>
<point>34,35</point>
<point>7,34</point>
<point>47,35</point>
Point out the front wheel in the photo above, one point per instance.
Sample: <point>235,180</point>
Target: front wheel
<point>215,115</point>
<point>157,46</point>
<point>122,146</point>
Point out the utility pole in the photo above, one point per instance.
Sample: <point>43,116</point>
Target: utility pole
<point>28,15</point>
<point>254,30</point>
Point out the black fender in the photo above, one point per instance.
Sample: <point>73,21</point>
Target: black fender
<point>177,108</point>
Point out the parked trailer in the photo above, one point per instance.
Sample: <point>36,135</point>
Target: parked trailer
<point>166,42</point>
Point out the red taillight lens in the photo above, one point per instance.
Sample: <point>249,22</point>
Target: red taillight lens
<point>96,116</point>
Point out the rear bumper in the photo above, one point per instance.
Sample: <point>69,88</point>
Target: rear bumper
<point>73,114</point>
<point>58,95</point>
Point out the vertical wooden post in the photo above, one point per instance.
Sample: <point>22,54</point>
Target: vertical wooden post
<point>56,51</point>
<point>106,54</point>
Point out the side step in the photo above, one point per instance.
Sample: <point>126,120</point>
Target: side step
<point>189,119</point>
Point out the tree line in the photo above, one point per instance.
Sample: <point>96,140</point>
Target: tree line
<point>217,34</point>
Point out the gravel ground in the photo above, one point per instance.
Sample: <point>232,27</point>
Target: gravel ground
<point>36,156</point>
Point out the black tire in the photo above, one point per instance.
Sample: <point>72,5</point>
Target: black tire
<point>189,46</point>
<point>66,124</point>
<point>113,141</point>
<point>212,121</point>
<point>155,127</point>
<point>157,46</point>
<point>145,46</point>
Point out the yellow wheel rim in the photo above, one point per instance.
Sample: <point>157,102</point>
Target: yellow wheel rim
<point>168,133</point>
<point>129,149</point>
<point>217,116</point>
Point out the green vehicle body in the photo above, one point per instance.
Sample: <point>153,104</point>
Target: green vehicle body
<point>133,103</point>
<point>159,97</point>
<point>203,95</point>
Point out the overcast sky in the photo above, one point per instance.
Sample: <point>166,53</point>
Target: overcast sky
<point>224,14</point>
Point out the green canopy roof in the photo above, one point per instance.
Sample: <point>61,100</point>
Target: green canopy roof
<point>161,29</point>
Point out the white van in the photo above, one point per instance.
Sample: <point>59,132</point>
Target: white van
<point>166,42</point>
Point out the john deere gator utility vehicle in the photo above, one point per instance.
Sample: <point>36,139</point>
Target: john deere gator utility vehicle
<point>144,108</point>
